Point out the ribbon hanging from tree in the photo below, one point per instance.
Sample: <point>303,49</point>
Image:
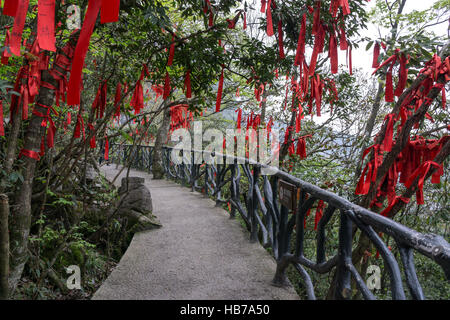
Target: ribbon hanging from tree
<point>280,39</point>
<point>19,23</point>
<point>187,84</point>
<point>219,91</point>
<point>167,88</point>
<point>5,53</point>
<point>300,53</point>
<point>46,25</point>
<point>110,12</point>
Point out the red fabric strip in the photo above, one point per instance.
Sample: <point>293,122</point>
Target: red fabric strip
<point>166,86</point>
<point>387,143</point>
<point>106,149</point>
<point>318,47</point>
<point>263,6</point>
<point>376,54</point>
<point>5,53</point>
<point>332,52</point>
<point>245,20</point>
<point>403,76</point>
<point>444,98</point>
<point>239,118</point>
<point>280,39</point>
<point>300,54</point>
<point>319,213</point>
<point>29,154</point>
<point>316,19</point>
<point>10,7</point>
<point>74,90</point>
<point>46,25</point>
<point>350,66</point>
<point>19,23</point>
<point>187,84</point>
<point>301,148</point>
<point>343,45</point>
<point>421,172</point>
<point>219,91</point>
<point>92,142</point>
<point>110,11</point>
<point>269,19</point>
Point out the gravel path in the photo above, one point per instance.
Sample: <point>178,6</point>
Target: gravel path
<point>199,253</point>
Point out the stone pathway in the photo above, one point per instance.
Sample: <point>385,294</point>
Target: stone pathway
<point>198,254</point>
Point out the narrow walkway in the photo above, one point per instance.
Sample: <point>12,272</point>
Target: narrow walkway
<point>199,253</point>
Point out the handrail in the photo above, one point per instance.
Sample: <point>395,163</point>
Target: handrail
<point>270,222</point>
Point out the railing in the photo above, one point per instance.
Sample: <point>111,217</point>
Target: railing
<point>270,222</point>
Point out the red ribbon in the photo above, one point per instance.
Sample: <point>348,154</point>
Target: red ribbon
<point>239,118</point>
<point>350,67</point>
<point>166,86</point>
<point>444,98</point>
<point>51,131</point>
<point>74,90</point>
<point>397,199</point>
<point>5,53</point>
<point>79,127</point>
<point>403,76</point>
<point>187,84</point>
<point>387,143</point>
<point>10,8</point>
<point>92,143</point>
<point>106,149</point>
<point>300,53</point>
<point>319,213</point>
<point>332,52</point>
<point>376,54</point>
<point>219,91</point>
<point>245,20</point>
<point>318,48</point>
<point>269,19</point>
<point>301,148</point>
<point>19,23</point>
<point>110,11</point>
<point>46,25</point>
<point>421,172</point>
<point>280,39</point>
<point>263,6</point>
<point>29,154</point>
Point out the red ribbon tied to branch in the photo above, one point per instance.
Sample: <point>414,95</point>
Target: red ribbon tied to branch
<point>421,173</point>
<point>110,12</point>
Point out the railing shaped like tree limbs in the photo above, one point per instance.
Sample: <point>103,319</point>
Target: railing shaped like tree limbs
<point>270,221</point>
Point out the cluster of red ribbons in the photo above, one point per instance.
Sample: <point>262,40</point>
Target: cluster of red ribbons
<point>99,104</point>
<point>403,72</point>
<point>417,158</point>
<point>109,13</point>
<point>137,100</point>
<point>180,117</point>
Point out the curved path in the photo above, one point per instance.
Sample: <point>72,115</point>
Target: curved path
<point>199,253</point>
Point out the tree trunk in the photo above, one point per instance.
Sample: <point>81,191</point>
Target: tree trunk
<point>21,213</point>
<point>161,137</point>
<point>4,247</point>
